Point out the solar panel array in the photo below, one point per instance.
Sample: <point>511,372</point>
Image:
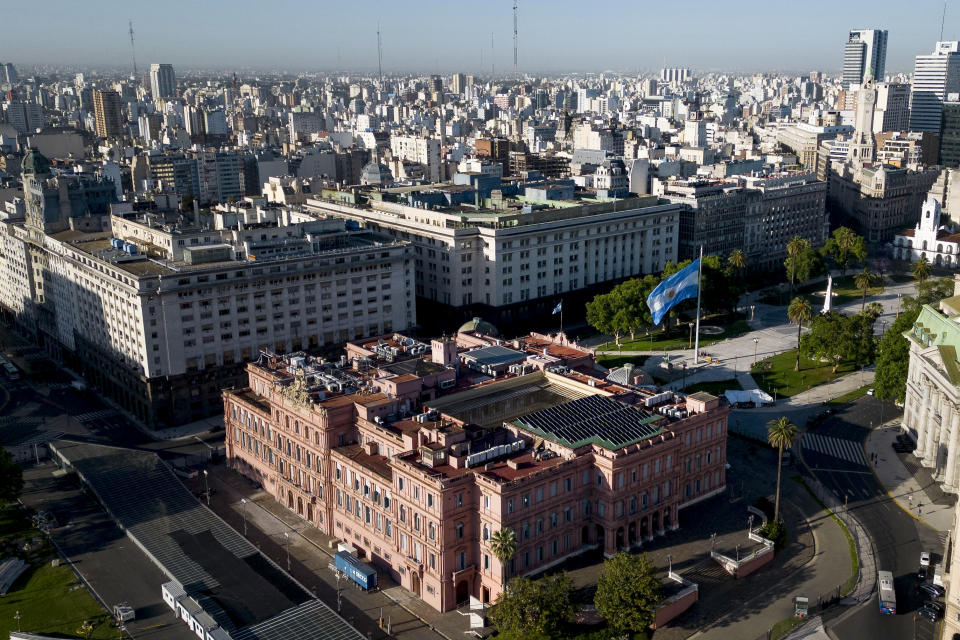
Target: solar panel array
<point>594,419</point>
<point>312,619</point>
<point>144,496</point>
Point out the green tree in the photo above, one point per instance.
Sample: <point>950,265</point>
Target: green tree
<point>737,260</point>
<point>11,477</point>
<point>873,310</point>
<point>503,544</point>
<point>780,434</point>
<point>798,261</point>
<point>921,269</point>
<point>840,338</point>
<point>893,359</point>
<point>845,248</point>
<point>602,314</point>
<point>799,313</point>
<point>628,592</point>
<point>534,607</point>
<point>863,281</point>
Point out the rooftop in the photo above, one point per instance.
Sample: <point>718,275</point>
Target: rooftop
<point>593,419</point>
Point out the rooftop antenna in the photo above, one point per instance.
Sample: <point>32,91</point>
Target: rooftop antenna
<point>134,49</point>
<point>516,73</point>
<point>379,54</point>
<point>942,19</point>
<point>493,56</point>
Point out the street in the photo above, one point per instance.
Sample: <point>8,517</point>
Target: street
<point>833,452</point>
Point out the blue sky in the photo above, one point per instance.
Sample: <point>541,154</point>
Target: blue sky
<point>431,36</point>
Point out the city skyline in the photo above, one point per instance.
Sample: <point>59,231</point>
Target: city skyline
<point>95,35</point>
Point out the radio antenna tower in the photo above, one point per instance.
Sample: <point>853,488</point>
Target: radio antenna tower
<point>379,55</point>
<point>133,49</point>
<point>493,61</point>
<point>943,18</point>
<point>516,73</point>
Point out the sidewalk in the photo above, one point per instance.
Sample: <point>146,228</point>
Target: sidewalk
<point>277,530</point>
<point>910,485</point>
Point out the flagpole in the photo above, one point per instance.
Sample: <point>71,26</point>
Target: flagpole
<point>696,345</point>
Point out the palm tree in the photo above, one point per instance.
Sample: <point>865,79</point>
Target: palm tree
<point>795,247</point>
<point>921,269</point>
<point>862,281</point>
<point>874,310</point>
<point>780,434</point>
<point>503,543</point>
<point>799,312</point>
<point>737,260</point>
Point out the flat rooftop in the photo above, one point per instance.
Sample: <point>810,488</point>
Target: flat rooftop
<point>220,569</point>
<point>593,419</point>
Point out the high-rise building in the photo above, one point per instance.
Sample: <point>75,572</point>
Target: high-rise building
<point>458,83</point>
<point>163,82</point>
<point>950,132</point>
<point>676,74</point>
<point>892,112</point>
<point>934,76</point>
<point>108,113</point>
<point>8,74</point>
<point>864,54</point>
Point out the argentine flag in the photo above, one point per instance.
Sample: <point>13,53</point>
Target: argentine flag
<point>557,309</point>
<point>678,287</point>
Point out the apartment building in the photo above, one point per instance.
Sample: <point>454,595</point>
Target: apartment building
<point>568,461</point>
<point>510,258</point>
<point>425,151</point>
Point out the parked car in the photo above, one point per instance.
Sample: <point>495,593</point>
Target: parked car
<point>924,558</point>
<point>922,573</point>
<point>870,392</point>
<point>933,604</point>
<point>930,614</point>
<point>932,590</point>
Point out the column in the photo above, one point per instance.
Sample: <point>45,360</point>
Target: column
<point>942,439</point>
<point>920,417</point>
<point>930,431</point>
<point>950,482</point>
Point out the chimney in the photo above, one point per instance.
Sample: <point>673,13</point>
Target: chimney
<point>371,448</point>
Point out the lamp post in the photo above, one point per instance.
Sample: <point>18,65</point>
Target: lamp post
<point>899,300</point>
<point>883,328</point>
<point>243,501</point>
<point>756,341</point>
<point>690,340</point>
<point>16,617</point>
<point>206,487</point>
<point>750,523</point>
<point>683,365</point>
<point>286,543</point>
<point>669,564</point>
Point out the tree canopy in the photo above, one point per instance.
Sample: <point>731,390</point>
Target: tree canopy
<point>845,248</point>
<point>780,434</point>
<point>801,261</point>
<point>839,338</point>
<point>921,269</point>
<point>538,607</point>
<point>11,477</point>
<point>893,359</point>
<point>628,592</point>
<point>799,313</point>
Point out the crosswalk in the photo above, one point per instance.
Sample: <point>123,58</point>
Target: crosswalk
<point>95,415</point>
<point>839,448</point>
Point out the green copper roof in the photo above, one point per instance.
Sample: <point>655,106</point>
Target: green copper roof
<point>933,329</point>
<point>34,163</point>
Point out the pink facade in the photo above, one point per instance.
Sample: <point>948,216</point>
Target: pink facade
<point>407,491</point>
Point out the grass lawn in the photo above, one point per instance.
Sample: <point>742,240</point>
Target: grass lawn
<point>679,337</point>
<point>716,388</point>
<point>13,523</point>
<point>849,396</point>
<point>612,362</point>
<point>776,374</point>
<point>785,626</point>
<point>51,601</point>
<point>844,291</point>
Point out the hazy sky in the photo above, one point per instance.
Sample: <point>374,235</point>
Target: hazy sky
<point>432,35</point>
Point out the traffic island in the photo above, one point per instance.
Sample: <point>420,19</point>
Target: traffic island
<point>679,594</point>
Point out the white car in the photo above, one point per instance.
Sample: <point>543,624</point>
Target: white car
<point>870,392</point>
<point>925,559</point>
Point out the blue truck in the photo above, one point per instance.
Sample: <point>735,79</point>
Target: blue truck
<point>360,572</point>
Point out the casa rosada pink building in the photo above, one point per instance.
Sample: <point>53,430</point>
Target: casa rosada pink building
<point>417,482</point>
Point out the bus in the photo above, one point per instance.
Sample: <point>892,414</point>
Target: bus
<point>885,593</point>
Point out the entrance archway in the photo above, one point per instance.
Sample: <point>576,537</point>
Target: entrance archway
<point>310,512</point>
<point>666,519</point>
<point>415,583</point>
<point>462,592</point>
<point>299,505</point>
<point>655,525</point>
<point>601,535</point>
<point>619,538</point>
<point>290,499</point>
<point>644,528</point>
<point>585,535</point>
<point>632,534</point>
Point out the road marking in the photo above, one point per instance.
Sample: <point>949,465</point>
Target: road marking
<point>834,447</point>
<point>95,415</point>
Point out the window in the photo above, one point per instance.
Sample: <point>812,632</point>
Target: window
<point>459,530</point>
<point>429,499</point>
<point>462,560</point>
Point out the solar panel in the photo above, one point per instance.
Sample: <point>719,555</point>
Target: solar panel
<point>593,418</point>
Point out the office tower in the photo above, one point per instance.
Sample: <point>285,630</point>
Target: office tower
<point>865,53</point>
<point>950,132</point>
<point>108,113</point>
<point>458,83</point>
<point>934,76</point>
<point>8,73</point>
<point>892,108</point>
<point>163,82</point>
<point>671,75</point>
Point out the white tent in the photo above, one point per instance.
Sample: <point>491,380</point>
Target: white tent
<point>755,396</point>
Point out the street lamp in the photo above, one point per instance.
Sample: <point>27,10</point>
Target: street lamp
<point>669,564</point>
<point>206,487</point>
<point>683,365</point>
<point>899,300</point>
<point>286,543</point>
<point>243,501</point>
<point>756,341</point>
<point>690,341</point>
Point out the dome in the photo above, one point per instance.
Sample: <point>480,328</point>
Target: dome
<point>376,173</point>
<point>34,163</point>
<point>478,325</point>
